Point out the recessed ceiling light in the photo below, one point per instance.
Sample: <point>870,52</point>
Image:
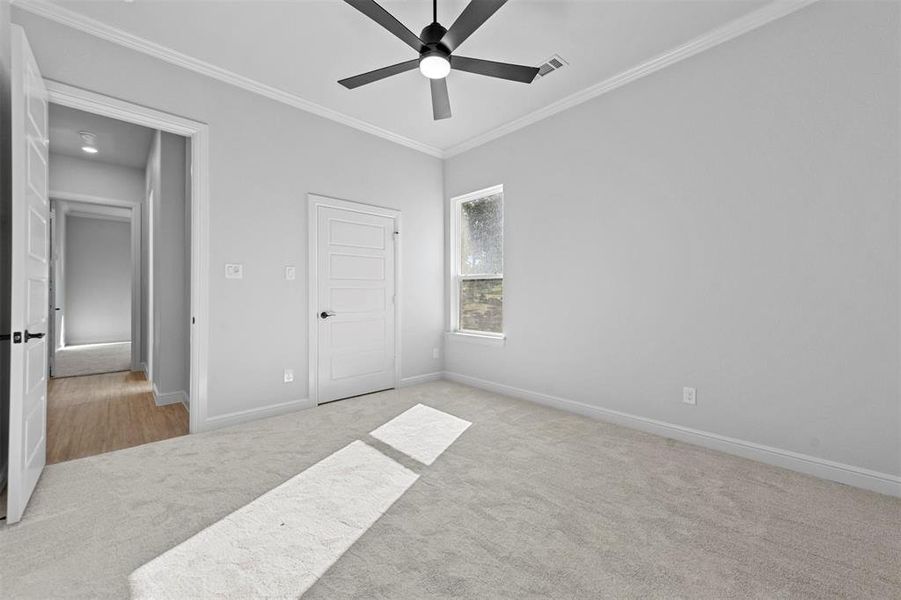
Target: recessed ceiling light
<point>90,142</point>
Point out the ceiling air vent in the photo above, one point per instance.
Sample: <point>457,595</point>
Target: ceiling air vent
<point>551,65</point>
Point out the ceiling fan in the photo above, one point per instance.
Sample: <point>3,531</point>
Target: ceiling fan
<point>435,46</point>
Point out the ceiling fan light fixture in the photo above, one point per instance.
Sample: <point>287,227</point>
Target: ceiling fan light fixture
<point>434,66</point>
<point>436,46</point>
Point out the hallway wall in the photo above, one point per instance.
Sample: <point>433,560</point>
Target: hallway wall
<point>89,177</point>
<point>98,280</point>
<point>166,178</point>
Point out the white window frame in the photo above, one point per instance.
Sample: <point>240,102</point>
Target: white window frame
<point>454,269</point>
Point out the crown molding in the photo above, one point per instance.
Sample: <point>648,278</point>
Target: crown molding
<point>735,28</point>
<point>69,18</point>
<point>731,30</point>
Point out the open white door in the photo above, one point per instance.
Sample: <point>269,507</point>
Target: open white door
<point>30,270</point>
<point>355,280</point>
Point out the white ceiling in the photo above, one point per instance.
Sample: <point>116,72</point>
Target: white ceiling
<point>304,47</point>
<point>120,143</point>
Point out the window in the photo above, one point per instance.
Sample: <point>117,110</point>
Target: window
<point>477,267</point>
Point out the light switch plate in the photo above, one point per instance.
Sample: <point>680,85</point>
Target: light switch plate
<point>290,273</point>
<point>234,271</point>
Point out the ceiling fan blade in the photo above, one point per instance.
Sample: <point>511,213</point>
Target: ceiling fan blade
<point>440,99</point>
<point>364,78</point>
<point>494,69</point>
<point>374,11</point>
<point>472,17</point>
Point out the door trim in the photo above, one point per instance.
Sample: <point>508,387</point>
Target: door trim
<point>198,133</point>
<point>314,202</point>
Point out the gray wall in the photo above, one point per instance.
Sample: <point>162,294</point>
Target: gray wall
<point>83,176</point>
<point>730,223</point>
<point>166,178</point>
<point>98,280</point>
<point>173,264</point>
<point>264,159</point>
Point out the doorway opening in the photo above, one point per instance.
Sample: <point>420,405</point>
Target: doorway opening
<point>29,311</point>
<point>119,293</point>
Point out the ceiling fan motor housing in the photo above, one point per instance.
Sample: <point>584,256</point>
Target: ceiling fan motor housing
<point>431,37</point>
<point>435,45</point>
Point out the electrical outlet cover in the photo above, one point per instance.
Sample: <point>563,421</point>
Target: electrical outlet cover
<point>689,395</point>
<point>234,271</point>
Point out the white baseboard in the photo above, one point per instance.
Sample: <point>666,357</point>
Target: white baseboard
<point>161,399</point>
<point>417,379</point>
<point>253,414</point>
<point>884,483</point>
<point>144,369</point>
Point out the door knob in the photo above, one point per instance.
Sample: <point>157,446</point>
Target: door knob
<point>29,335</point>
<point>326,314</point>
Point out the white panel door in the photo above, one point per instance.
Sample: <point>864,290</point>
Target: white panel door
<point>30,269</point>
<point>356,303</point>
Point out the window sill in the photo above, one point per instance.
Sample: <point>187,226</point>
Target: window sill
<point>477,338</point>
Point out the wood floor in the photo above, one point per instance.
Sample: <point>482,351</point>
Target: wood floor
<point>94,414</point>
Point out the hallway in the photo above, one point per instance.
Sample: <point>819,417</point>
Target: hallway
<point>94,414</point>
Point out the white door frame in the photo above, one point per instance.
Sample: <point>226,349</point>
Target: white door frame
<point>73,97</point>
<point>314,202</point>
<point>136,268</point>
<point>148,365</point>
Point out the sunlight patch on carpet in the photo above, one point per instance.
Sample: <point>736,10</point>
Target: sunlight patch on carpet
<point>422,432</point>
<point>281,543</point>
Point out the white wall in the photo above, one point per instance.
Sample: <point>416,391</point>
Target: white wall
<point>83,176</point>
<point>98,280</point>
<point>729,223</point>
<point>166,179</point>
<point>173,262</point>
<point>265,158</point>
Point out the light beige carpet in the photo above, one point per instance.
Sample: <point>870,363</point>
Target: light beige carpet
<point>529,502</point>
<point>90,359</point>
